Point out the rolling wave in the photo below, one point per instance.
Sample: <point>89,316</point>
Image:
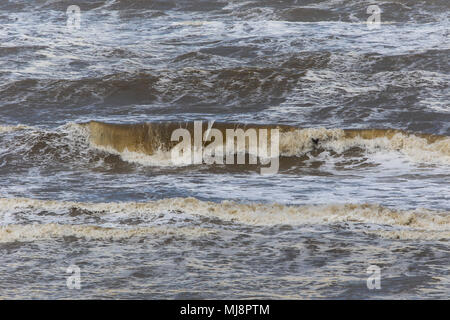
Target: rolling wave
<point>419,223</point>
<point>133,141</point>
<point>187,86</point>
<point>150,143</point>
<point>32,232</point>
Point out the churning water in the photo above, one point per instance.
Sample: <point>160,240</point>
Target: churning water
<point>87,177</point>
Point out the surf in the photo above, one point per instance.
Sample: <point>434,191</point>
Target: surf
<point>394,223</point>
<point>154,139</point>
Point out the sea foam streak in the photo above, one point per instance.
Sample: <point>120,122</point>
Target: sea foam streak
<point>26,233</point>
<point>419,223</point>
<point>4,129</point>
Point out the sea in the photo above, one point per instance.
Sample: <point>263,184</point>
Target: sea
<point>94,205</point>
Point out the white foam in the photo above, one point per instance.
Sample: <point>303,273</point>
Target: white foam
<point>5,129</point>
<point>252,214</point>
<point>415,148</point>
<point>11,233</point>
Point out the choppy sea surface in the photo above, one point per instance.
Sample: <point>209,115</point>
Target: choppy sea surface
<point>139,226</point>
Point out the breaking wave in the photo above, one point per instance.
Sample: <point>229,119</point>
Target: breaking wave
<point>26,233</point>
<point>134,142</point>
<point>404,224</point>
<point>150,144</point>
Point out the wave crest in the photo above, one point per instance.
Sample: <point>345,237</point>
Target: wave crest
<point>153,139</point>
<point>420,223</point>
<point>26,233</point>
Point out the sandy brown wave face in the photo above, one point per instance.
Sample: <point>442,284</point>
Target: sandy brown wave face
<point>148,138</point>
